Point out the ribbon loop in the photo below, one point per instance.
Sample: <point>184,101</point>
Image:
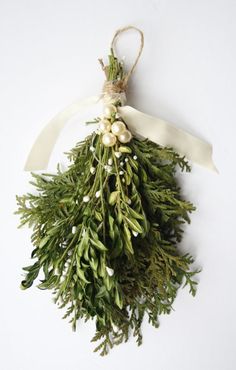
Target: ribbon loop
<point>156,129</point>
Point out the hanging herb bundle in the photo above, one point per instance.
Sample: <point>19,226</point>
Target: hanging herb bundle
<point>106,231</point>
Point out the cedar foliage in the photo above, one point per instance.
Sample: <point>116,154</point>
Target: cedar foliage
<point>131,224</point>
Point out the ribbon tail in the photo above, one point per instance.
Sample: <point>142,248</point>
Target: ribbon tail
<point>42,148</point>
<point>164,134</point>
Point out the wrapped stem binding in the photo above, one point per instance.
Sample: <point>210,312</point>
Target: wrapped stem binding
<point>106,231</point>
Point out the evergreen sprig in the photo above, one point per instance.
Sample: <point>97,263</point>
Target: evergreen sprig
<point>133,227</point>
<point>106,234</point>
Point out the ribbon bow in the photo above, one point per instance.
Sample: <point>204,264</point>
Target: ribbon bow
<point>156,129</point>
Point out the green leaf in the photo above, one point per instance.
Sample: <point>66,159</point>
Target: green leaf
<point>144,175</point>
<point>118,300</point>
<point>111,227</point>
<point>98,216</point>
<point>119,218</point>
<point>136,180</point>
<point>134,164</point>
<point>81,275</point>
<point>129,170</point>
<point>113,198</point>
<point>117,247</point>
<point>127,238</point>
<point>94,263</point>
<point>25,284</point>
<point>67,200</point>
<point>135,214</point>
<point>83,244</point>
<point>102,268</point>
<point>127,178</point>
<point>125,149</point>
<point>98,244</point>
<point>44,241</point>
<point>102,292</point>
<point>108,282</point>
<point>48,284</point>
<point>134,225</point>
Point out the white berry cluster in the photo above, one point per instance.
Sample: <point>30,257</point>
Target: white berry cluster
<point>113,131</point>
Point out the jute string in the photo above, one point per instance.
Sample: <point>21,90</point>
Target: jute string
<point>115,90</point>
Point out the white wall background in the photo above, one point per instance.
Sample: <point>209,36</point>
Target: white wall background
<point>187,75</point>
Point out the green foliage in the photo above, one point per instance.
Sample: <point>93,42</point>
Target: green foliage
<point>133,226</point>
<point>107,214</point>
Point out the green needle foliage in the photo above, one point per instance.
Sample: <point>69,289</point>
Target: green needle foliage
<point>106,240</point>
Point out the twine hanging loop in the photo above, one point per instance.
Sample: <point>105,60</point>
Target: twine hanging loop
<point>115,90</point>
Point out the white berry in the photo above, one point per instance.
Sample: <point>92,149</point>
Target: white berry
<point>109,110</point>
<point>125,137</point>
<point>118,127</point>
<point>118,154</point>
<point>110,271</point>
<point>92,170</point>
<point>104,126</point>
<point>86,198</point>
<point>109,139</point>
<point>108,168</point>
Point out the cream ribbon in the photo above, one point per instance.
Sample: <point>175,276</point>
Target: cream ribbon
<point>165,134</point>
<point>141,124</point>
<point>42,148</point>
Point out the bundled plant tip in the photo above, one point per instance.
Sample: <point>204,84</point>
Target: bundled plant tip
<point>106,231</point>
